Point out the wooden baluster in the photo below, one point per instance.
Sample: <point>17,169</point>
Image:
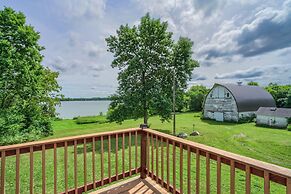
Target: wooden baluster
<point>266,182</point>
<point>116,156</point>
<point>85,164</point>
<point>102,160</point>
<point>148,154</point>
<point>109,158</point>
<point>129,150</point>
<point>188,170</point>
<point>207,173</point>
<point>218,175</point>
<point>123,144</point>
<point>288,186</point>
<point>136,161</point>
<point>75,166</point>
<point>31,170</point>
<point>197,171</point>
<point>152,163</point>
<point>232,177</point>
<point>93,162</point>
<point>43,170</point>
<point>162,161</point>
<point>143,154</point>
<point>66,166</point>
<point>157,159</point>
<point>168,166</point>
<point>17,183</point>
<point>174,167</point>
<point>248,179</point>
<point>3,159</point>
<point>55,169</point>
<point>181,168</point>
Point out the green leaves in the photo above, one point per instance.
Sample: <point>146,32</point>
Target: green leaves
<point>281,94</point>
<point>147,58</point>
<point>29,91</point>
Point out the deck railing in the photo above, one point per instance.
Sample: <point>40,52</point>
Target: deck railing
<point>124,153</point>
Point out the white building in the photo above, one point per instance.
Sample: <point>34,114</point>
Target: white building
<point>235,102</point>
<point>273,117</point>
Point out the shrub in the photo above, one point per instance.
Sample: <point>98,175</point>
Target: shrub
<point>91,119</point>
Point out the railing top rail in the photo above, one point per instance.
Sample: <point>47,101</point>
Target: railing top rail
<point>64,139</point>
<point>284,172</point>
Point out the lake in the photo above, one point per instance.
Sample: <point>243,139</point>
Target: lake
<point>70,109</point>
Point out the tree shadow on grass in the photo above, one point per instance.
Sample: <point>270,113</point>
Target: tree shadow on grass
<point>164,131</point>
<point>213,122</point>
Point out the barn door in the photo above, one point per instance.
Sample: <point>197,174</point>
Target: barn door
<point>218,116</point>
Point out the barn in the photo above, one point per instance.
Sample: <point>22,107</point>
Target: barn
<point>235,102</point>
<point>273,117</point>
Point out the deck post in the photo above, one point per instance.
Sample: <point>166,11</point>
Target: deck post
<point>143,152</point>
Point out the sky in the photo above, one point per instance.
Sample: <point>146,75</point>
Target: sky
<point>234,40</point>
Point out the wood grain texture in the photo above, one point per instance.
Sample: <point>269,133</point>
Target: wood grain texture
<point>17,166</point>
<point>218,175</point>
<point>3,161</point>
<point>85,163</point>
<point>31,168</point>
<point>55,170</point>
<point>43,169</point>
<point>248,179</point>
<point>197,171</point>
<point>207,173</point>
<point>75,167</point>
<point>232,177</point>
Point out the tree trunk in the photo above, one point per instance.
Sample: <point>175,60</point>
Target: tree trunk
<point>145,114</point>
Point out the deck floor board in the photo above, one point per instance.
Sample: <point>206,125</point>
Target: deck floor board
<point>133,185</point>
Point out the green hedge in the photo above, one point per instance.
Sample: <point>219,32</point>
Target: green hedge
<point>91,119</point>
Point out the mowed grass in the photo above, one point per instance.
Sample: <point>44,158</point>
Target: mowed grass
<point>269,145</point>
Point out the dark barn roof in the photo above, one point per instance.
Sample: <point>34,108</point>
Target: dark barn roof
<point>274,112</point>
<point>250,98</point>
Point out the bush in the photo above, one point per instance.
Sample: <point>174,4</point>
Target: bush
<point>91,119</point>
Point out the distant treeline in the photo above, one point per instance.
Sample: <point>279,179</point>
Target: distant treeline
<point>86,99</point>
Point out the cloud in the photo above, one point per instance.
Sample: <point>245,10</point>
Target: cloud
<point>196,77</point>
<point>241,74</point>
<point>73,9</point>
<point>269,30</point>
<point>58,64</point>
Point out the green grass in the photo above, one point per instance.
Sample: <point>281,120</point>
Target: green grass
<point>266,144</point>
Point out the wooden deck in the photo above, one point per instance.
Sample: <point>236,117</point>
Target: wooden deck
<point>133,185</point>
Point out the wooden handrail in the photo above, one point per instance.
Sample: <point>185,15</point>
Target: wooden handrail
<point>269,172</point>
<point>154,146</point>
<point>86,141</point>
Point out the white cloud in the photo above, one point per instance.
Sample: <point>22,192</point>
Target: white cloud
<point>268,30</point>
<point>73,9</point>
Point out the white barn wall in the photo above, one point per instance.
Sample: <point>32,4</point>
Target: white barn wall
<point>217,101</point>
<point>271,121</point>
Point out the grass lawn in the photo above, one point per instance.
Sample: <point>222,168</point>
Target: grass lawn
<point>269,145</point>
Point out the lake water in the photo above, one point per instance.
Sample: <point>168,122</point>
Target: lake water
<point>70,109</point>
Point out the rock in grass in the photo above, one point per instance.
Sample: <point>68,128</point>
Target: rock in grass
<point>182,135</point>
<point>194,133</point>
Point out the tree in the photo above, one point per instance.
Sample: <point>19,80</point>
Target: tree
<point>252,83</point>
<point>196,96</point>
<point>279,93</point>
<point>148,60</point>
<point>28,90</point>
<point>288,101</point>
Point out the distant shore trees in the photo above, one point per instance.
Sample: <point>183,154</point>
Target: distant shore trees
<point>148,59</point>
<point>28,90</point>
